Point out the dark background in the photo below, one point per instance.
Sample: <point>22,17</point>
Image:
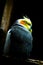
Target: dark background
<point>33,10</point>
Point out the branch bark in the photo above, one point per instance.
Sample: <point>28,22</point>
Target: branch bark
<point>6,15</point>
<point>38,62</point>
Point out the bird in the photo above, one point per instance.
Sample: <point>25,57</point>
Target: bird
<point>18,43</point>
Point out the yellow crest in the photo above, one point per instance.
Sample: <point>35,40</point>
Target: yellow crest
<point>28,21</point>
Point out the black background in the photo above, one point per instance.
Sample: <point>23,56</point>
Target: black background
<point>33,9</point>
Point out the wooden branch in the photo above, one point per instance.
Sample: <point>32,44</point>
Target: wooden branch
<point>6,15</point>
<point>38,62</point>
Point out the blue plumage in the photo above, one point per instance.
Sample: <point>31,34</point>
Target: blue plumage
<point>18,42</point>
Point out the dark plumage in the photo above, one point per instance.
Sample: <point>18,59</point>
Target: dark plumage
<point>18,42</point>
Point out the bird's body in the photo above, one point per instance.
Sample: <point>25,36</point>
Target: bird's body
<point>18,41</point>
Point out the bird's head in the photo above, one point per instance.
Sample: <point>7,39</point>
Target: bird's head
<point>26,22</point>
